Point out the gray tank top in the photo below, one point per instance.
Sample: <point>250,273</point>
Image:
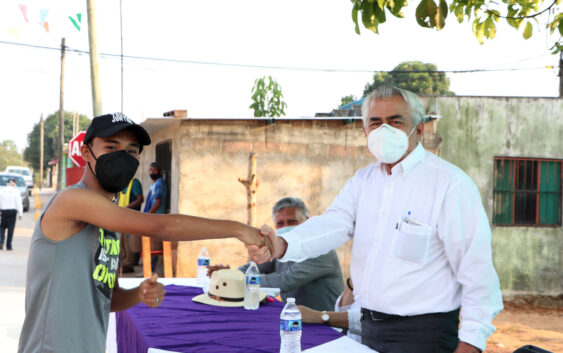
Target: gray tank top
<point>68,290</point>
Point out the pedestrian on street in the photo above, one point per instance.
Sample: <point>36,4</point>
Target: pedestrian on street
<point>10,206</point>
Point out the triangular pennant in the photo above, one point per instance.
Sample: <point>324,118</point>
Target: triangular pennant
<point>46,26</point>
<point>44,13</point>
<point>74,22</point>
<point>23,9</point>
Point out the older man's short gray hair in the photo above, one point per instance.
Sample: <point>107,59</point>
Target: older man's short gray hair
<point>387,91</point>
<point>290,202</point>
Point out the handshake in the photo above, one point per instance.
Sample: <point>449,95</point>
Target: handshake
<point>263,244</point>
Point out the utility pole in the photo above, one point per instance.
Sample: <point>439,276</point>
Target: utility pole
<point>94,74</point>
<point>61,121</point>
<point>41,126</point>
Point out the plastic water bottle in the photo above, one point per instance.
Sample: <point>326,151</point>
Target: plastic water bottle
<point>252,289</point>
<point>202,263</point>
<point>290,328</point>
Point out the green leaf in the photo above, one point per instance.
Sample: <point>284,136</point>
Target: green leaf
<point>379,13</point>
<point>368,18</point>
<point>395,7</point>
<point>479,30</point>
<point>490,28</point>
<point>426,13</point>
<point>355,18</point>
<point>441,14</point>
<point>528,30</point>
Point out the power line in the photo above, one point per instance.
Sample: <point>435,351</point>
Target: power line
<point>290,68</point>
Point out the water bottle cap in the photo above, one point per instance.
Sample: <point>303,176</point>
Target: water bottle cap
<point>203,248</point>
<point>291,300</point>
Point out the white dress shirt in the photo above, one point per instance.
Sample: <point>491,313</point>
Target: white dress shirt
<point>437,261</point>
<point>10,199</point>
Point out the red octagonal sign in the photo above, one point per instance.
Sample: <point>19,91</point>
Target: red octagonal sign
<point>74,149</point>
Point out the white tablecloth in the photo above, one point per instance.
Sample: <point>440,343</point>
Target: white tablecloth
<point>342,344</point>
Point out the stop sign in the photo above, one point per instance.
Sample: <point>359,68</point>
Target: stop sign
<point>74,149</point>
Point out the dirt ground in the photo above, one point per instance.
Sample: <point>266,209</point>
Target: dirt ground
<point>518,326</point>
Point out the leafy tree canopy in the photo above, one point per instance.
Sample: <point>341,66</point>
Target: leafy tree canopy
<point>415,76</point>
<point>9,154</point>
<point>484,15</point>
<point>347,99</point>
<point>50,136</point>
<point>268,98</point>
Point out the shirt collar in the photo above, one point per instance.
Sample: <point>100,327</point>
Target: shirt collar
<point>411,160</point>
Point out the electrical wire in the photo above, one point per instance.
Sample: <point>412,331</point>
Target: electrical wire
<point>290,68</point>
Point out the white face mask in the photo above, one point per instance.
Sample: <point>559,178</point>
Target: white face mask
<point>388,144</point>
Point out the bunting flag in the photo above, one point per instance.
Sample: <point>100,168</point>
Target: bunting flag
<point>44,13</point>
<point>46,26</point>
<point>76,22</point>
<point>23,9</point>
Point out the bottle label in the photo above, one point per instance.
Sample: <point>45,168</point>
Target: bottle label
<point>290,325</point>
<point>203,262</point>
<point>252,279</point>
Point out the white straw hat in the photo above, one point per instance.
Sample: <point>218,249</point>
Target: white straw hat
<point>226,288</point>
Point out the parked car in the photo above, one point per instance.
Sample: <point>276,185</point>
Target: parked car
<point>20,185</point>
<point>25,172</point>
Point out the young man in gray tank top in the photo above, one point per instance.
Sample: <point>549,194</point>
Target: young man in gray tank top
<point>71,275</point>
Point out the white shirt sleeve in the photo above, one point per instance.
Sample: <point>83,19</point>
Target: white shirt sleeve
<point>354,320</point>
<point>464,228</point>
<point>321,234</point>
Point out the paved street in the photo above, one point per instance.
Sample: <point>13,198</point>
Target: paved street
<point>12,283</point>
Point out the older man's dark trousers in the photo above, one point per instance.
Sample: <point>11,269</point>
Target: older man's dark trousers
<point>428,333</point>
<point>8,223</point>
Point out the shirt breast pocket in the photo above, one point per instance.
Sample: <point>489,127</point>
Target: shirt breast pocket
<point>411,242</point>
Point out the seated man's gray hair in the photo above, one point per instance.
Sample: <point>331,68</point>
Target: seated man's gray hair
<point>290,202</point>
<point>387,91</point>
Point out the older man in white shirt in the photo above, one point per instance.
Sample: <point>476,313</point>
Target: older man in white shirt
<point>10,206</point>
<point>422,242</point>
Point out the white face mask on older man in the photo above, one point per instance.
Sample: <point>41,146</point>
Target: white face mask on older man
<point>388,144</point>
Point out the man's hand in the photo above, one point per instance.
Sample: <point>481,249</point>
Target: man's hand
<point>151,292</point>
<point>310,316</point>
<point>213,268</point>
<point>463,347</point>
<point>274,249</point>
<point>251,236</point>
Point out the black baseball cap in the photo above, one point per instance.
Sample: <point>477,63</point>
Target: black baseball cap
<point>110,124</point>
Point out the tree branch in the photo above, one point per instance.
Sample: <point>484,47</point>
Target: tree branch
<point>522,17</point>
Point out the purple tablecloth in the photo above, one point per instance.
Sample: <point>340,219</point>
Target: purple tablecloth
<point>184,326</point>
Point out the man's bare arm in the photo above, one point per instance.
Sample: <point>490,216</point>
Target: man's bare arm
<point>149,292</point>
<point>81,205</point>
<point>137,202</point>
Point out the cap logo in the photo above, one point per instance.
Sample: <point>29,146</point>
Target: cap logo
<point>120,117</point>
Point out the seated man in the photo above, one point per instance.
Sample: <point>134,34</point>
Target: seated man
<point>316,282</point>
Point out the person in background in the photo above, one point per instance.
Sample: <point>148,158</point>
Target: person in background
<point>315,282</point>
<point>346,314</point>
<point>156,203</point>
<point>11,207</point>
<point>131,197</point>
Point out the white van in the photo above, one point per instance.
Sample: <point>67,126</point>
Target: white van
<point>25,172</point>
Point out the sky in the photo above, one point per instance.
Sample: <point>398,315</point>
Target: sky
<point>309,47</point>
